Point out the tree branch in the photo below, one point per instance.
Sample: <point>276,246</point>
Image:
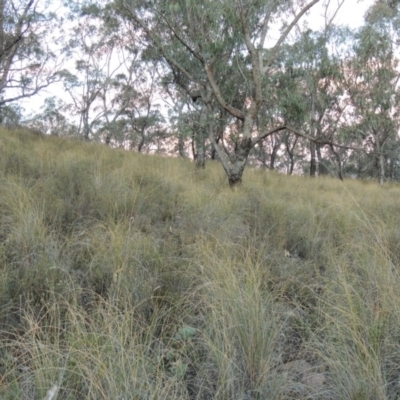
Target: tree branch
<point>264,135</point>
<point>255,62</point>
<point>191,51</point>
<point>321,141</point>
<point>157,43</point>
<point>286,32</point>
<point>264,29</point>
<point>231,110</point>
<point>316,140</point>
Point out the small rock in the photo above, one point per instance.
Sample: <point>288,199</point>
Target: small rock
<point>313,380</point>
<point>304,372</point>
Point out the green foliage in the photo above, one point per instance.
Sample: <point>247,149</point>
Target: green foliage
<point>185,333</point>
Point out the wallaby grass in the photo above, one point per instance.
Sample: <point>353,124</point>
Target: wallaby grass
<point>126,276</point>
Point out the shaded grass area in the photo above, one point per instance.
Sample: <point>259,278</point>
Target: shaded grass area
<point>136,277</point>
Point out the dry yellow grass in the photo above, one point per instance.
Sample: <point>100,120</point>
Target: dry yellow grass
<point>126,276</point>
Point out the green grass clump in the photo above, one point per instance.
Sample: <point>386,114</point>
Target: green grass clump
<point>126,276</point>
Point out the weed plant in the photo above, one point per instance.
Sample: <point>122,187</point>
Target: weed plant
<point>125,276</point>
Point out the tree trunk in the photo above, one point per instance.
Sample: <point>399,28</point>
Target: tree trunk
<point>391,168</point>
<point>233,166</point>
<point>340,169</point>
<point>236,173</point>
<point>2,47</point>
<point>272,160</point>
<point>291,163</point>
<point>290,151</point>
<point>200,138</point>
<point>201,151</point>
<point>380,162</point>
<point>313,160</point>
<point>273,157</point>
<point>339,162</point>
<point>291,169</point>
<point>276,142</point>
<point>313,147</point>
<point>236,169</point>
<point>381,168</point>
<point>181,145</point>
<point>193,146</point>
<point>86,128</point>
<point>141,143</point>
<point>321,167</point>
<point>262,155</point>
<point>213,152</point>
<point>219,136</point>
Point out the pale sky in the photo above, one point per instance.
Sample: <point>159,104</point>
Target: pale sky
<point>351,13</point>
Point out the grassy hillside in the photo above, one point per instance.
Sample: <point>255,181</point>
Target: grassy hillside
<point>134,277</point>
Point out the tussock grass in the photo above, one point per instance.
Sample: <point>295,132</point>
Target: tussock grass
<point>126,276</point>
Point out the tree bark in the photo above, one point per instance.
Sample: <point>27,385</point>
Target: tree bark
<point>381,168</point>
<point>235,164</point>
<point>291,164</point>
<point>193,146</point>
<point>200,139</point>
<point>391,168</point>
<point>313,160</point>
<point>339,162</point>
<point>379,161</point>
<point>262,156</point>
<point>86,127</point>
<point>290,151</point>
<point>273,158</point>
<point>1,30</point>
<point>141,143</point>
<point>213,152</point>
<point>276,144</point>
<point>201,151</point>
<point>181,146</point>
<point>236,169</point>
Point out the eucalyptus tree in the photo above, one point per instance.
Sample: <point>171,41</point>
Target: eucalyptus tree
<point>12,115</point>
<point>186,118</point>
<point>28,61</point>
<point>310,90</point>
<point>217,50</point>
<point>372,79</point>
<point>52,118</point>
<point>268,150</point>
<point>112,90</point>
<point>291,142</point>
<point>144,122</point>
<point>179,125</point>
<point>189,124</point>
<point>94,71</point>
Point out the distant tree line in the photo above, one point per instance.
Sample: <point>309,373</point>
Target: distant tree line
<point>205,80</point>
